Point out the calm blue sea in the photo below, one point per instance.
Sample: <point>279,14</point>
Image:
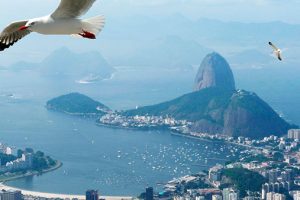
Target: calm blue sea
<point>114,161</point>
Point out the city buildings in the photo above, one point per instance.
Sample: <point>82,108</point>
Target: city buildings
<point>275,158</point>
<point>5,149</point>
<point>277,187</point>
<point>294,134</point>
<point>115,119</point>
<point>10,195</point>
<point>250,198</point>
<point>214,173</point>
<point>25,162</point>
<point>149,193</point>
<point>296,195</point>
<point>279,181</point>
<point>92,195</point>
<point>273,174</point>
<point>275,196</point>
<point>216,197</point>
<point>230,194</point>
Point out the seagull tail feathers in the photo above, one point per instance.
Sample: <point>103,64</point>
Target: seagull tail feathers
<point>94,25</point>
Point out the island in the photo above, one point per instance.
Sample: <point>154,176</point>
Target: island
<point>77,104</point>
<point>25,163</point>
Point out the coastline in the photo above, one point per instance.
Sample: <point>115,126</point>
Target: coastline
<point>83,115</point>
<point>4,179</point>
<point>132,128</point>
<point>58,196</point>
<point>160,128</point>
<point>210,140</point>
<point>45,194</point>
<point>175,133</point>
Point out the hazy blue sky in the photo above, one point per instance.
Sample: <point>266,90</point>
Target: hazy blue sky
<point>237,10</point>
<point>227,10</point>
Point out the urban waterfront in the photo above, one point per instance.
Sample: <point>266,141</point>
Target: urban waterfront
<point>112,165</point>
<point>115,161</point>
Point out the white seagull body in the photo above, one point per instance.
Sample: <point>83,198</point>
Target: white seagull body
<point>276,51</point>
<point>63,21</point>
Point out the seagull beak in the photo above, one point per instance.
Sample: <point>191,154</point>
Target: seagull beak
<point>22,28</point>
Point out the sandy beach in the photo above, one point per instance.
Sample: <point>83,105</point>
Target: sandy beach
<point>62,196</point>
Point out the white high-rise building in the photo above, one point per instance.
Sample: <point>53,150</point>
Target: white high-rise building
<point>294,134</point>
<point>233,196</point>
<point>230,194</point>
<point>8,151</point>
<point>216,197</point>
<point>275,196</point>
<point>278,196</point>
<point>10,195</point>
<point>296,195</point>
<point>200,198</point>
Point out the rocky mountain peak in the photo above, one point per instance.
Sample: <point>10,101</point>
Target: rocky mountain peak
<point>214,71</point>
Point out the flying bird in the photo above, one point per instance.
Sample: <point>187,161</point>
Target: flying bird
<point>63,21</point>
<point>276,51</point>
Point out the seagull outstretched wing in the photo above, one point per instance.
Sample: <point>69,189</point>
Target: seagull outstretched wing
<point>273,46</point>
<point>278,54</point>
<point>72,8</point>
<point>11,34</point>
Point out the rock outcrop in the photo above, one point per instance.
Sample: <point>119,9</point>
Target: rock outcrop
<point>214,72</point>
<point>217,108</point>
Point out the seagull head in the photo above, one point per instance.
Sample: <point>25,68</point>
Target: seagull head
<point>29,25</point>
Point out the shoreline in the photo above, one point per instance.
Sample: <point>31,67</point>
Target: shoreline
<point>56,195</point>
<point>194,137</point>
<point>210,140</point>
<point>175,133</point>
<point>30,173</point>
<point>46,194</point>
<point>133,128</point>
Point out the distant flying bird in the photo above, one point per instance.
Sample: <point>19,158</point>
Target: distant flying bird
<point>63,21</point>
<point>276,51</point>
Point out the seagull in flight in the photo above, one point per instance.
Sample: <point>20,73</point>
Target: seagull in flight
<point>276,51</point>
<point>63,21</point>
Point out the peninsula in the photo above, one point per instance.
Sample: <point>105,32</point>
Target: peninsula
<point>214,108</point>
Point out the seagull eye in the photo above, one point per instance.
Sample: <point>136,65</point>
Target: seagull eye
<point>32,23</point>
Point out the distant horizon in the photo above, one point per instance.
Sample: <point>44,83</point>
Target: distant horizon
<point>130,15</point>
<point>36,52</point>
